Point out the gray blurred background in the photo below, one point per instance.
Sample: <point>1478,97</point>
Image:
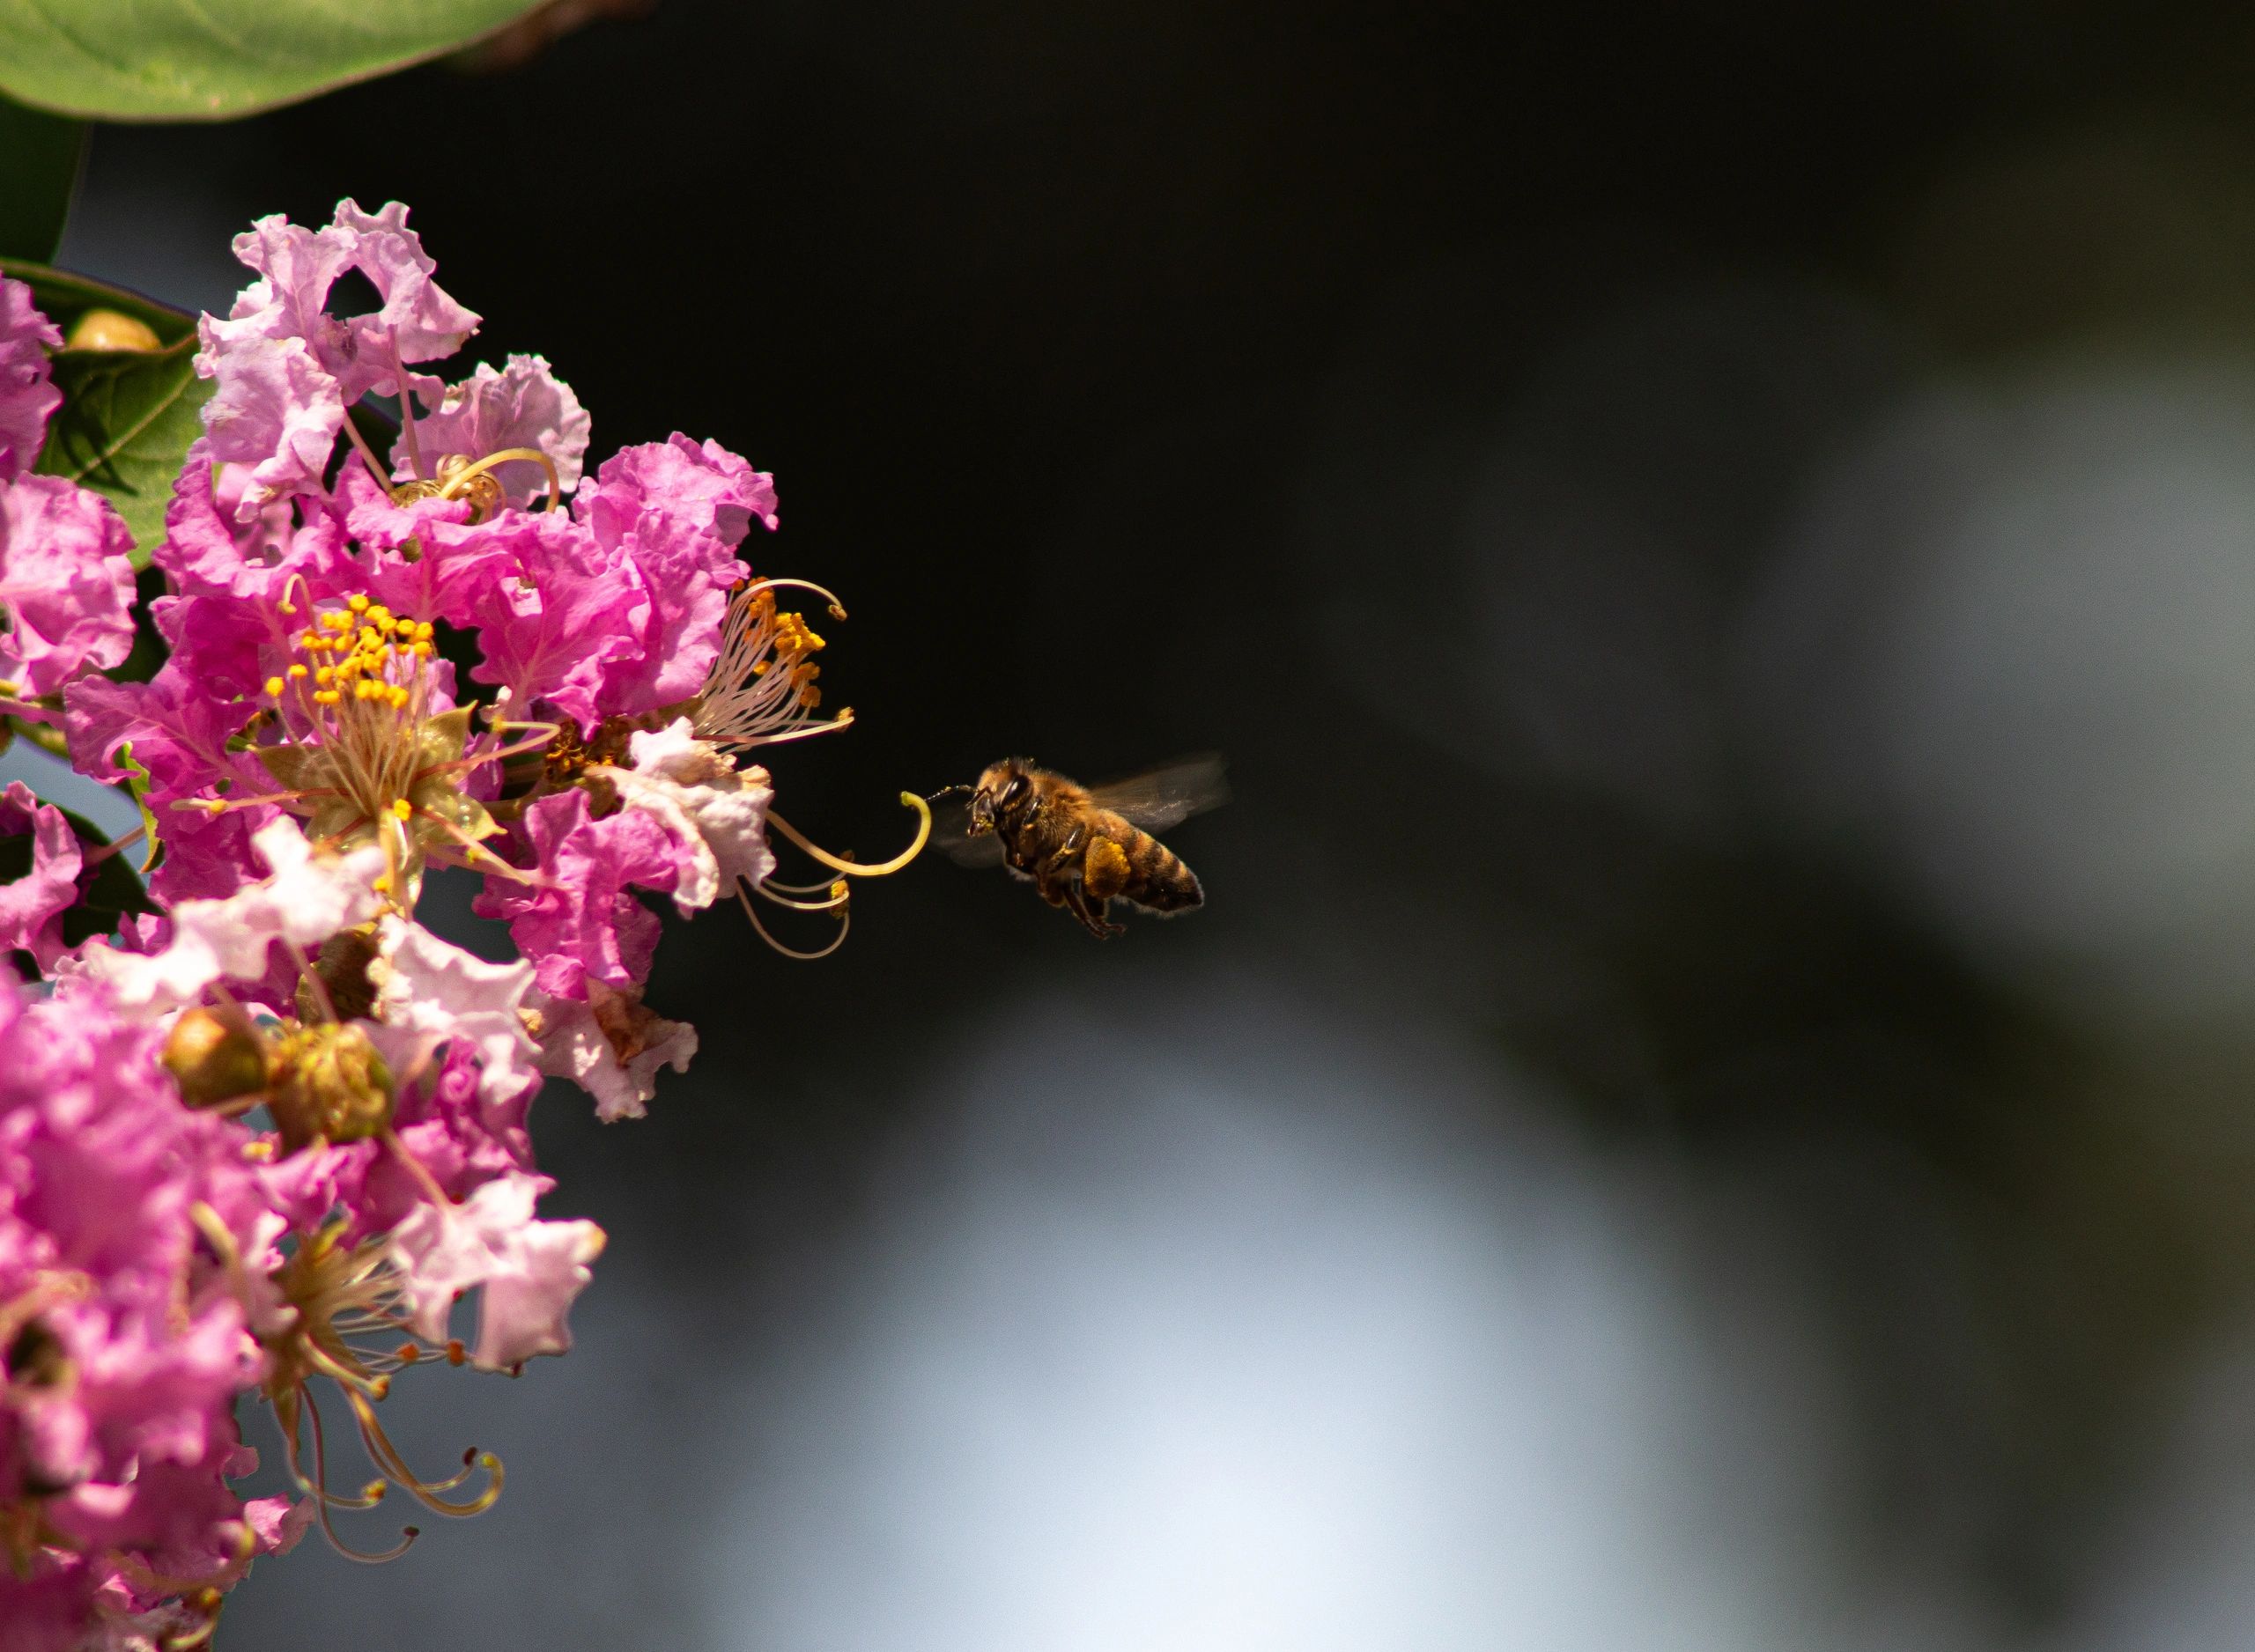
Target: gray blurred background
<point>1712,1105</point>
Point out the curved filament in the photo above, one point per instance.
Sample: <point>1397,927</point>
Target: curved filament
<point>854,869</point>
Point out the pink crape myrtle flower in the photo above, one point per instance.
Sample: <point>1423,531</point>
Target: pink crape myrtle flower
<point>28,397</point>
<point>125,1348</point>
<point>265,1139</point>
<point>286,369</point>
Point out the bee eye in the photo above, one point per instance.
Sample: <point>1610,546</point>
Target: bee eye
<point>1015,790</point>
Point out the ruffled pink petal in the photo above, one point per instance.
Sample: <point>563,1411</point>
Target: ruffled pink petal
<point>553,631</point>
<point>417,318</point>
<point>714,813</point>
<point>424,559</point>
<point>435,988</point>
<point>209,551</point>
<point>530,1271</point>
<point>286,369</point>
<point>667,518</point>
<point>66,583</point>
<point>576,1044</point>
<point>295,267</point>
<point>581,921</point>
<point>27,396</point>
<point>523,406</point>
<point>525,1307</point>
<point>101,1173</point>
<point>32,907</point>
<point>275,410</point>
<point>307,896</point>
<point>179,733</point>
<point>710,489</point>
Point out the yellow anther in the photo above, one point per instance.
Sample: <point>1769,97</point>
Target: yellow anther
<point>312,639</point>
<point>334,621</point>
<point>423,631</point>
<point>327,696</point>
<point>381,883</point>
<point>297,674</point>
<point>325,675</point>
<point>399,695</point>
<point>402,809</point>
<point>423,649</point>
<point>274,688</point>
<point>356,602</point>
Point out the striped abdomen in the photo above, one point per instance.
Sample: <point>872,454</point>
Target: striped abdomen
<point>1128,862</point>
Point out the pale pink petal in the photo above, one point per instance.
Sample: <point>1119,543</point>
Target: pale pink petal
<point>530,1271</point>
<point>432,987</point>
<point>525,1307</point>
<point>576,1044</point>
<point>715,813</point>
<point>308,897</point>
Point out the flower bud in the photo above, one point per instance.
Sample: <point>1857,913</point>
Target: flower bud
<point>215,1057</point>
<point>330,1082</point>
<point>343,968</point>
<point>35,1358</point>
<point>110,329</point>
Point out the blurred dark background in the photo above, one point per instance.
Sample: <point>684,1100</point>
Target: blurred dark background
<point>1710,1106</point>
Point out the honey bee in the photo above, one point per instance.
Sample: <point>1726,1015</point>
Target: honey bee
<point>1083,847</point>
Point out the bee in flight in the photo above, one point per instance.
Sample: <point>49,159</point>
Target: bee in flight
<point>1085,846</point>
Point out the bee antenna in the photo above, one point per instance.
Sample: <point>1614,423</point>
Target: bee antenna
<point>949,790</point>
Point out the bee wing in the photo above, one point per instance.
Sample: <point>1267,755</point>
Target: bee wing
<point>952,835</point>
<point>1167,795</point>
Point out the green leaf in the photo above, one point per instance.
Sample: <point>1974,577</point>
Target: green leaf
<point>128,415</point>
<point>36,179</point>
<point>64,296</point>
<point>214,60</point>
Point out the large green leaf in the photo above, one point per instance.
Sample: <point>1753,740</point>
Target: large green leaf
<point>128,415</point>
<point>212,60</point>
<point>38,164</point>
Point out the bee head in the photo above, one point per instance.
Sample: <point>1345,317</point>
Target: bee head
<point>1001,789</point>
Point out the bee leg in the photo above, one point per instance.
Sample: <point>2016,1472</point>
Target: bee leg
<point>1090,911</point>
<point>1051,882</point>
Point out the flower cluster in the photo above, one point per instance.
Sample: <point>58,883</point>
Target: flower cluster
<point>264,1136</point>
